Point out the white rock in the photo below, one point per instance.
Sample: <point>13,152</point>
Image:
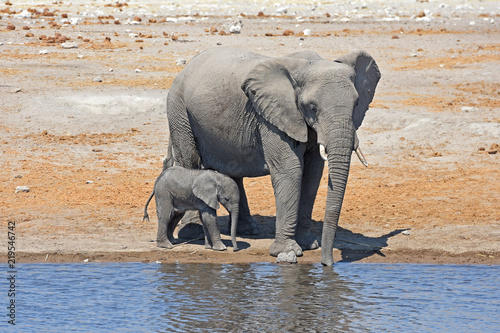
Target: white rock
<point>16,90</point>
<point>86,260</point>
<point>180,61</point>
<point>24,14</point>
<point>391,19</point>
<point>43,52</point>
<point>289,257</point>
<point>80,56</point>
<point>89,182</point>
<point>406,233</point>
<point>423,19</point>
<point>97,79</point>
<point>22,189</point>
<point>235,29</point>
<point>187,19</point>
<point>282,10</point>
<point>171,19</point>
<point>69,45</point>
<point>469,109</point>
<point>344,20</point>
<point>307,32</point>
<point>137,70</point>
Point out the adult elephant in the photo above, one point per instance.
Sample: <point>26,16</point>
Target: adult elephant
<point>248,115</point>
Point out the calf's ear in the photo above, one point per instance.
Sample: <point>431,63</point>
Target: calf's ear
<point>205,189</point>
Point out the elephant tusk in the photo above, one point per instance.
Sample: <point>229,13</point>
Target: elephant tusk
<point>361,157</point>
<point>322,152</point>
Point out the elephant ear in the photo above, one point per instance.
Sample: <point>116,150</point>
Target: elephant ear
<point>205,189</point>
<point>367,77</point>
<point>271,89</point>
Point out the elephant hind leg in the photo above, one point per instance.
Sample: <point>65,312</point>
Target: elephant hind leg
<point>165,213</point>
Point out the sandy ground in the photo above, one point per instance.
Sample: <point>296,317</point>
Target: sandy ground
<point>83,125</point>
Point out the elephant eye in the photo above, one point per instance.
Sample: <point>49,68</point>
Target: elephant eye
<point>313,107</point>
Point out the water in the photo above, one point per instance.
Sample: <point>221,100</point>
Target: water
<point>349,297</point>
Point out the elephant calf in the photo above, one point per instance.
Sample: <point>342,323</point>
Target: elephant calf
<point>178,190</point>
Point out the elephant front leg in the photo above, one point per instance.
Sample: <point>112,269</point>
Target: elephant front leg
<point>311,178</point>
<point>287,193</point>
<point>246,223</point>
<point>209,219</point>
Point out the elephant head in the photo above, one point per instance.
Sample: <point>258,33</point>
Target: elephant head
<point>213,187</point>
<point>304,91</point>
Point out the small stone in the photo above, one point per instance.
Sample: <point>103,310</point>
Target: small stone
<point>89,182</point>
<point>235,29</point>
<point>406,233</point>
<point>180,61</point>
<point>86,260</point>
<point>25,189</point>
<point>137,70</point>
<point>43,52</point>
<point>16,90</point>
<point>289,257</point>
<point>468,109</point>
<point>494,148</point>
<point>97,79</point>
<point>69,45</point>
<point>307,32</point>
<point>80,56</point>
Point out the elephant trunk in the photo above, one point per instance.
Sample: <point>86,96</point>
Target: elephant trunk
<point>339,150</point>
<point>233,218</point>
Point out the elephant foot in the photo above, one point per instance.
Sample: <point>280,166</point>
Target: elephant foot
<point>166,244</point>
<point>191,231</point>
<point>207,245</point>
<point>247,226</point>
<point>306,239</point>
<point>285,246</point>
<point>219,246</point>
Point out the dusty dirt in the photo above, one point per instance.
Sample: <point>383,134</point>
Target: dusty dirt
<point>90,151</point>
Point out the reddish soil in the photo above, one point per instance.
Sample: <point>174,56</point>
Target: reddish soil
<point>90,169</point>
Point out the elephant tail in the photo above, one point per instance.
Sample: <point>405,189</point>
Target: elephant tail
<point>146,216</point>
<point>169,160</point>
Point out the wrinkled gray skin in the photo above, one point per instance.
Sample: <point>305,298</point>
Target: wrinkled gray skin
<point>178,190</point>
<point>248,115</point>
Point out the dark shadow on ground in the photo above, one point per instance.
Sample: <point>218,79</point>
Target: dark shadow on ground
<point>356,246</point>
<point>353,246</point>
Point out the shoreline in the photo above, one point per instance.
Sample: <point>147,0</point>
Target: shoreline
<point>202,256</point>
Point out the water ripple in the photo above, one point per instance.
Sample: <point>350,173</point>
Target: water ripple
<point>135,297</point>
